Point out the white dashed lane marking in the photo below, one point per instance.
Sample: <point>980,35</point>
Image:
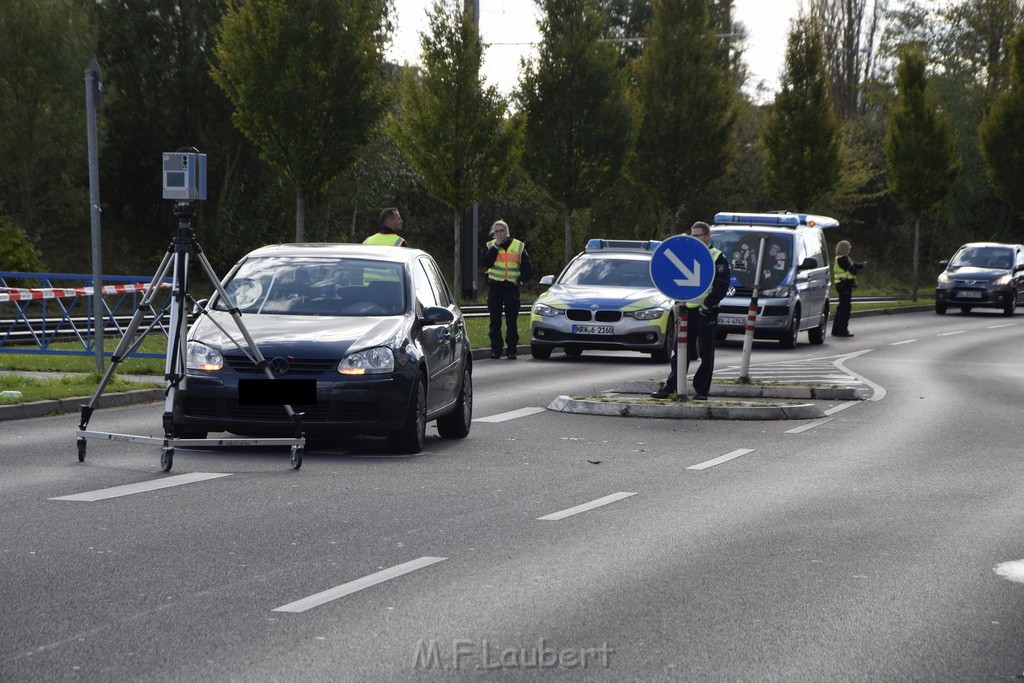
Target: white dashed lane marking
<point>720,459</point>
<point>359,584</point>
<point>511,415</point>
<point>141,487</point>
<point>905,341</point>
<point>555,516</point>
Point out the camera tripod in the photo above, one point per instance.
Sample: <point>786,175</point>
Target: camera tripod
<point>177,255</point>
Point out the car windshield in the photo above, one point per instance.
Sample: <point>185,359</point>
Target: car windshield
<point>740,247</point>
<point>317,286</point>
<point>606,271</point>
<point>983,257</point>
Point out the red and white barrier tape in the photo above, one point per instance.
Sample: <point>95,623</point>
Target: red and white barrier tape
<point>13,294</point>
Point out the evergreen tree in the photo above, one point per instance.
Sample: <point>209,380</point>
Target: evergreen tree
<point>451,127</point>
<point>802,134</point>
<point>919,146</point>
<point>578,121</point>
<point>1002,134</point>
<point>306,79</point>
<point>687,106</point>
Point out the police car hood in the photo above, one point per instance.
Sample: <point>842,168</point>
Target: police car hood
<point>605,298</point>
<point>976,273</point>
<point>313,336</point>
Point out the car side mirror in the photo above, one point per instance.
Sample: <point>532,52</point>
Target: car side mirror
<point>943,264</point>
<point>437,315</point>
<point>547,280</point>
<point>808,263</point>
<point>200,306</point>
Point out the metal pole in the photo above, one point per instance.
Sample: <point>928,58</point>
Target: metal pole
<point>93,88</point>
<point>471,218</point>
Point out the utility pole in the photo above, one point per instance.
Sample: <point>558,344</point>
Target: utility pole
<point>93,96</point>
<point>471,218</point>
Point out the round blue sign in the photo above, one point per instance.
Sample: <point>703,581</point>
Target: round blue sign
<point>682,268</point>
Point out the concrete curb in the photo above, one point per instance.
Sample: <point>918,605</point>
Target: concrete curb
<point>20,411</point>
<point>705,410</point>
<point>805,392</point>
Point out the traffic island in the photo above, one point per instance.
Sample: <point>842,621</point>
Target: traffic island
<point>626,405</point>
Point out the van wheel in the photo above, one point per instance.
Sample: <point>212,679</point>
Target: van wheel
<point>788,339</point>
<point>816,335</point>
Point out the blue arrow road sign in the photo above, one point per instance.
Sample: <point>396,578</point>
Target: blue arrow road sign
<point>682,268</point>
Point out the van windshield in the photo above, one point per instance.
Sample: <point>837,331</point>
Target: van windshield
<point>740,247</point>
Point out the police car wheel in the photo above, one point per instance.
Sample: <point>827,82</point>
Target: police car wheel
<point>573,351</point>
<point>540,352</point>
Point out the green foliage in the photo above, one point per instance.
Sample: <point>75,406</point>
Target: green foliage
<point>45,46</point>
<point>687,106</point>
<point>452,128</point>
<point>1002,134</point>
<point>17,252</point>
<point>802,134</point>
<point>578,119</point>
<point>306,80</point>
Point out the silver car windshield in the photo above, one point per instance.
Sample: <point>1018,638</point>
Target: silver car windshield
<point>605,271</point>
<point>308,286</point>
<point>983,257</point>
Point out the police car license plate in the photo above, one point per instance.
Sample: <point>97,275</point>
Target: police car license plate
<point>593,329</point>
<point>732,320</point>
<point>968,294</point>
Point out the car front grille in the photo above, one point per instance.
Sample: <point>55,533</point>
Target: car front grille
<point>582,315</point>
<point>297,366</point>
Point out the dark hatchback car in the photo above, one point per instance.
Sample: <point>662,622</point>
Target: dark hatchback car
<point>981,275</point>
<point>376,328</point>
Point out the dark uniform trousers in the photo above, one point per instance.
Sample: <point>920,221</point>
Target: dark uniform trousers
<point>503,300</point>
<point>700,343</point>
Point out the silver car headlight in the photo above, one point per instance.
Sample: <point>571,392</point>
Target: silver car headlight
<point>647,314</point>
<point>375,361</point>
<point>199,356</point>
<point>943,279</point>
<point>779,292</point>
<point>546,311</point>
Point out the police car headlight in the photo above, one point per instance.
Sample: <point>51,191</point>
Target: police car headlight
<point>943,279</point>
<point>780,292</point>
<point>375,361</point>
<point>202,357</point>
<point>646,314</point>
<point>546,311</point>
<point>1004,280</point>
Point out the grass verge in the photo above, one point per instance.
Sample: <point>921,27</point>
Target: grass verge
<point>33,389</point>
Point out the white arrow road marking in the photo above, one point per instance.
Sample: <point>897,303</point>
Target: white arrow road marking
<point>691,278</point>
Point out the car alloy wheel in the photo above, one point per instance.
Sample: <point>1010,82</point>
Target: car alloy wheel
<point>413,434</point>
<point>456,424</point>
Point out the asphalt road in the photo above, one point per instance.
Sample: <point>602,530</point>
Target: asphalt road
<point>867,546</point>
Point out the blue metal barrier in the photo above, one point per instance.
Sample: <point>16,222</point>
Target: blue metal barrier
<point>32,325</point>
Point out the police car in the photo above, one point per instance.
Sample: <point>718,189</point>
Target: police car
<point>795,274</point>
<point>604,300</point>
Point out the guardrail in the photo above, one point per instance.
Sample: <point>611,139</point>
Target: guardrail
<point>39,309</point>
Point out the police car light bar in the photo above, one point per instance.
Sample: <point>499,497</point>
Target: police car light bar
<point>622,245</point>
<point>776,220</point>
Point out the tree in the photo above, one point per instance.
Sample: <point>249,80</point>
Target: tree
<point>451,127</point>
<point>307,82</point>
<point>687,106</point>
<point>1002,134</point>
<point>44,50</point>
<point>17,252</point>
<point>919,146</point>
<point>578,120</point>
<point>802,134</point>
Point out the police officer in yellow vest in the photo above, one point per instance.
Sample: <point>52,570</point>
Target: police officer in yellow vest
<point>844,271</point>
<point>508,266</point>
<point>702,323</point>
<point>390,224</point>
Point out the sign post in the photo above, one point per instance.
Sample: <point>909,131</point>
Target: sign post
<point>682,269</point>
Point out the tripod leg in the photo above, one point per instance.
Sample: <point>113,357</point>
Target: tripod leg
<point>122,348</point>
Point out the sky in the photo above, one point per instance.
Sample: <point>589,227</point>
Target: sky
<point>509,29</point>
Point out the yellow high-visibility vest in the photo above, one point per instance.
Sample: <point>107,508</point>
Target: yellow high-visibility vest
<point>384,239</point>
<point>506,265</point>
<point>696,303</point>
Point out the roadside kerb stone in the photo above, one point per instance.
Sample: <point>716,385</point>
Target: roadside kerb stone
<point>19,411</point>
<point>709,410</point>
<point>758,391</point>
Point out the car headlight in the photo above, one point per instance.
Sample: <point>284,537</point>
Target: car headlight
<point>199,356</point>
<point>375,361</point>
<point>546,311</point>
<point>1004,280</point>
<point>647,314</point>
<point>780,292</point>
<point>943,279</point>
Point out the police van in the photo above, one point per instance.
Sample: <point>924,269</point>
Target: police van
<point>795,274</point>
